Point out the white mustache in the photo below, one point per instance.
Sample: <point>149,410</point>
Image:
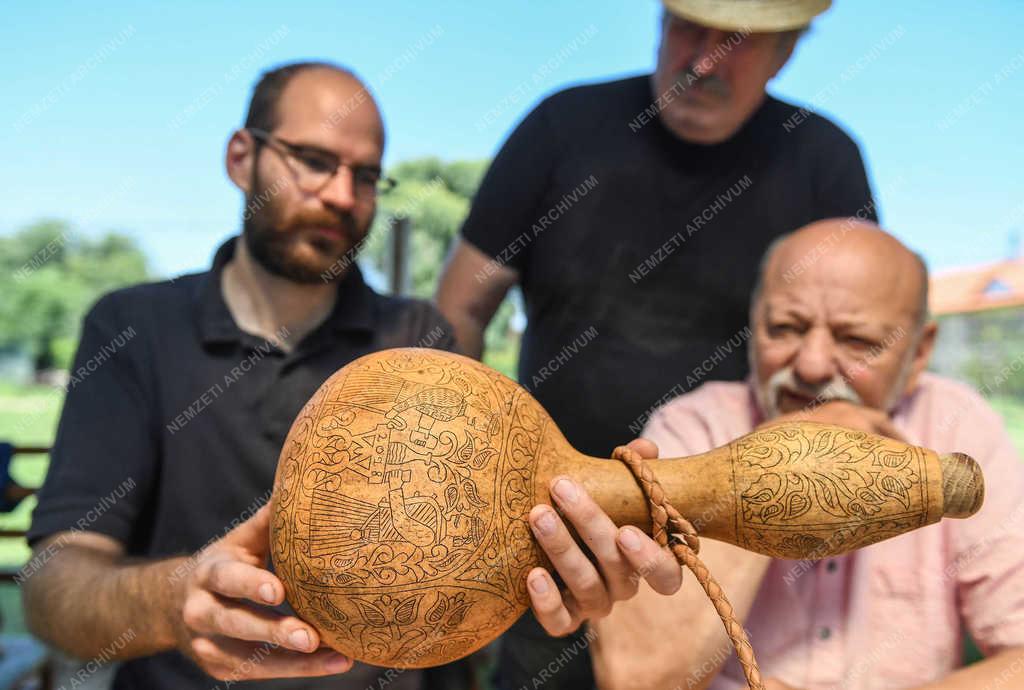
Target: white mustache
<point>786,380</point>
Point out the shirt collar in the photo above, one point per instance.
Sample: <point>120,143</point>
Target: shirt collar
<point>354,309</point>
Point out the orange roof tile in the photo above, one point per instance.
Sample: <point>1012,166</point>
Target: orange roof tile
<point>992,286</point>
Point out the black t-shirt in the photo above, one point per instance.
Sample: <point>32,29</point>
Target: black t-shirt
<point>637,254</point>
<point>174,420</point>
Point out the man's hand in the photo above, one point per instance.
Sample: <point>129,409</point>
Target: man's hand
<point>624,555</point>
<point>222,623</point>
<point>846,414</point>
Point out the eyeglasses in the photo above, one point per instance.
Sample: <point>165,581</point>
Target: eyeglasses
<point>314,167</point>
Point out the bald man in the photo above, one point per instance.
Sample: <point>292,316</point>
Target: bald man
<point>151,534</point>
<point>840,334</point>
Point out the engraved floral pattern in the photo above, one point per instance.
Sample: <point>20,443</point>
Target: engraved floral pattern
<point>861,488</point>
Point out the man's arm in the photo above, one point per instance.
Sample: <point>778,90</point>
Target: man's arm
<point>1005,669</point>
<point>212,607</point>
<point>122,603</point>
<point>83,594</point>
<point>653,642</point>
<point>493,248</point>
<point>470,291</point>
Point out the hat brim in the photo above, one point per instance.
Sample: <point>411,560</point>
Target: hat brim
<point>755,16</point>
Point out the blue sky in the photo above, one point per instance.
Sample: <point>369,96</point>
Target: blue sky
<point>115,114</point>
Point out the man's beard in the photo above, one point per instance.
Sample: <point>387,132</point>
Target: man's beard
<point>275,242</point>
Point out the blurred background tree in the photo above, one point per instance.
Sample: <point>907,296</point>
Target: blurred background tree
<point>435,196</point>
<point>49,276</point>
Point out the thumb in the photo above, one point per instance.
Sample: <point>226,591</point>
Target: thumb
<point>646,448</point>
<point>254,533</point>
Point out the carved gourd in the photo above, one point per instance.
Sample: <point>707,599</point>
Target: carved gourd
<point>400,501</point>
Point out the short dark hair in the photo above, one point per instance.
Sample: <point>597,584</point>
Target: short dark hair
<point>263,113</point>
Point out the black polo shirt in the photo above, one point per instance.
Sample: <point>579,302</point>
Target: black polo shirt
<point>174,419</point>
<point>637,253</point>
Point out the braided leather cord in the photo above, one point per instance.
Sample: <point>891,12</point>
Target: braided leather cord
<point>674,531</point>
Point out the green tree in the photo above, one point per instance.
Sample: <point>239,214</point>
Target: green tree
<point>49,276</point>
<point>435,196</point>
<point>985,349</point>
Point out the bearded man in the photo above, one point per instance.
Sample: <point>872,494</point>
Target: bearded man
<point>151,533</point>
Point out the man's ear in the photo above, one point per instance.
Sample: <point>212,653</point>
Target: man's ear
<point>922,354</point>
<point>240,158</point>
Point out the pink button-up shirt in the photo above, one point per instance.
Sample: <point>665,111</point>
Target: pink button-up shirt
<point>891,615</point>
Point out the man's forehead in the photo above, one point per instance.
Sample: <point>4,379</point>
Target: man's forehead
<point>856,255</point>
<point>321,106</point>
<point>835,307</point>
<point>835,301</point>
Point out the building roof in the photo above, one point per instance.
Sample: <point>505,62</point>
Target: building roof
<point>991,286</point>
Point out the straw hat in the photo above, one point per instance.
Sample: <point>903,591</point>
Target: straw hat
<point>752,15</point>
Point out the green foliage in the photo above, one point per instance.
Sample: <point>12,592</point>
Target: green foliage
<point>62,349</point>
<point>987,350</point>
<point>1012,411</point>
<point>463,177</point>
<point>49,276</point>
<point>501,342</point>
<point>28,417</point>
<point>434,196</point>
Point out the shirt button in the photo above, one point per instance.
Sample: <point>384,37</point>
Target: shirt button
<point>832,566</point>
<point>825,633</point>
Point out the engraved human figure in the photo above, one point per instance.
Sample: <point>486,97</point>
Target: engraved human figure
<point>417,522</point>
<point>440,404</point>
<point>341,523</point>
<point>388,453</point>
<point>420,520</point>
